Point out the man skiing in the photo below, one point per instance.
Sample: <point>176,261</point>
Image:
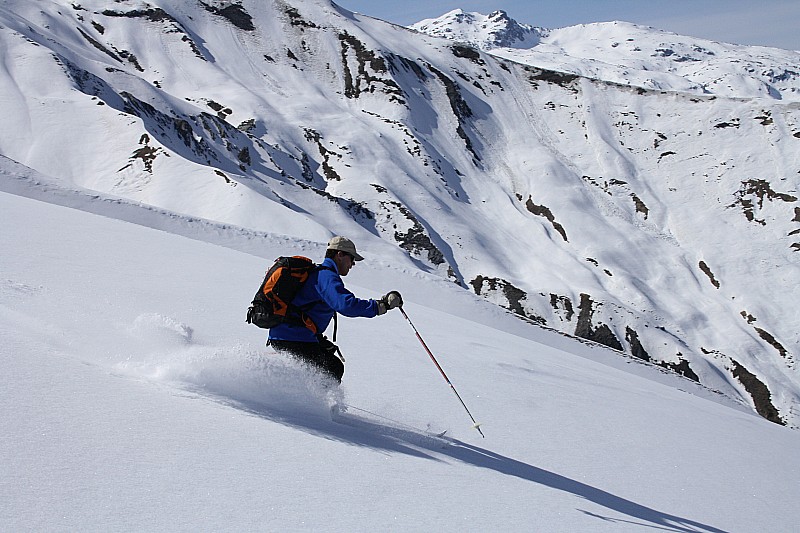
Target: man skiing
<point>321,297</point>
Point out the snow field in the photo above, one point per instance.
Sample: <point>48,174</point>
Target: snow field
<point>137,398</point>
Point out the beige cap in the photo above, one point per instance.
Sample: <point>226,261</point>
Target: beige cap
<point>343,244</point>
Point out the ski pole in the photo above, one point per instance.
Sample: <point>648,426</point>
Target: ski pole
<point>475,424</point>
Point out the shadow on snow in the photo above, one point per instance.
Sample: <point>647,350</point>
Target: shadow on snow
<point>374,431</point>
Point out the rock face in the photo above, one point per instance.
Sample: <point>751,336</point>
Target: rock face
<point>651,208</point>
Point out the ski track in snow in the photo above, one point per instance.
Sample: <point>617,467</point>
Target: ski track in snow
<point>258,381</point>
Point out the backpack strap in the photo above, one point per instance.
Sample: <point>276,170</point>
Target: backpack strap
<point>298,315</point>
<point>335,314</point>
<point>303,317</point>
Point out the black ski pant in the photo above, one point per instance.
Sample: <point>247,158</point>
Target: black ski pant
<point>313,354</point>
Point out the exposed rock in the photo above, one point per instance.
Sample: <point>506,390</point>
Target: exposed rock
<point>562,304</point>
<point>327,169</point>
<point>640,206</point>
<point>765,119</point>
<point>511,296</point>
<point>544,211</point>
<point>203,135</point>
<point>244,157</point>
<point>409,65</point>
<point>247,126</point>
<point>510,31</point>
<point>608,186</point>
<point>362,80</point>
<point>757,189</point>
<point>99,46</point>
<point>417,241</point>
<point>637,350</point>
<point>357,210</point>
<point>772,341</point>
<point>586,330</point>
<point>762,399</point>
<point>536,75</point>
<point>131,59</point>
<point>468,52</point>
<point>681,368</point>
<point>222,111</point>
<point>732,124</point>
<point>707,271</point>
<point>146,154</point>
<point>153,14</point>
<point>87,82</point>
<point>234,13</point>
<point>225,177</point>
<point>295,19</point>
<point>747,316</point>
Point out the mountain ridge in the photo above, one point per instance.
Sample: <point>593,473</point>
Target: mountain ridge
<point>630,54</point>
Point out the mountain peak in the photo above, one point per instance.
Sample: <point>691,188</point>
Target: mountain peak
<point>495,30</point>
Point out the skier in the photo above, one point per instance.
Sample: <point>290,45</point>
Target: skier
<point>321,297</point>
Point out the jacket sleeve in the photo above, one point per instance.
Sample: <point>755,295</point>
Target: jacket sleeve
<point>340,299</point>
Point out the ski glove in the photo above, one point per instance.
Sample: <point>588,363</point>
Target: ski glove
<point>389,301</point>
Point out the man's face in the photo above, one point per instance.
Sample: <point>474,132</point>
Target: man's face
<point>344,262</point>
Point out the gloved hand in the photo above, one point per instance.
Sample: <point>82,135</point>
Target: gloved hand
<point>390,301</point>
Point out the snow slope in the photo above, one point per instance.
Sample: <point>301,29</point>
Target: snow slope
<point>136,398</point>
<point>661,222</point>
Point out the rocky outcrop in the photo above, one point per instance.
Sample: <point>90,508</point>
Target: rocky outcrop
<point>601,334</point>
<point>762,399</point>
<point>506,294</point>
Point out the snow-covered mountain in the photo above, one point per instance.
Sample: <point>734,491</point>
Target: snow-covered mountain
<point>495,30</point>
<point>630,54</point>
<point>617,183</point>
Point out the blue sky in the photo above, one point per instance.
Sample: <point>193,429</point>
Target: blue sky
<point>764,22</point>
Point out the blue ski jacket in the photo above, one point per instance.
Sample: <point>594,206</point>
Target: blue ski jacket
<point>321,296</point>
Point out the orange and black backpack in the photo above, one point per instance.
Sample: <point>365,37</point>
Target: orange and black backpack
<point>272,304</point>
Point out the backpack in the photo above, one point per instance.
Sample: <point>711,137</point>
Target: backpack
<point>272,304</point>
